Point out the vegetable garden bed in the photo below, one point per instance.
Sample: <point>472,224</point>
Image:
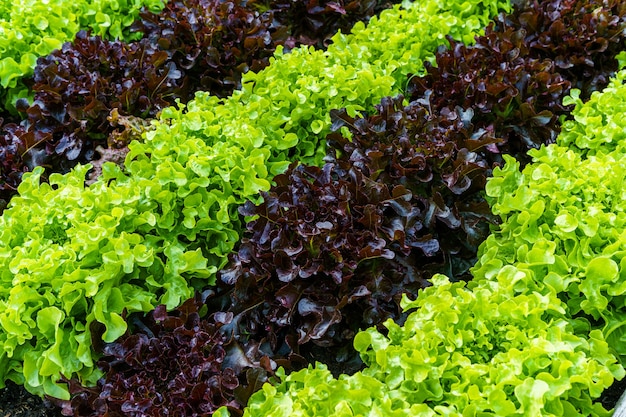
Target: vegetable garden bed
<point>431,208</point>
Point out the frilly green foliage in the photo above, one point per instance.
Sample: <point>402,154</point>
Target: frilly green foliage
<point>33,28</point>
<point>111,18</point>
<point>564,217</point>
<point>79,255</point>
<point>482,352</point>
<point>285,107</point>
<point>541,328</point>
<point>325,396</point>
<point>491,351</point>
<point>72,258</point>
<point>599,125</point>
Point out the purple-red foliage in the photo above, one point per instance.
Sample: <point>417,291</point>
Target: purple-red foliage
<point>212,42</point>
<point>331,250</point>
<point>582,37</point>
<point>12,164</point>
<point>314,22</point>
<point>515,77</point>
<point>176,363</point>
<point>189,46</point>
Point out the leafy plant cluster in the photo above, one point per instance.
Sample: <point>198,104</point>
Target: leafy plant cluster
<point>563,217</point>
<point>539,329</point>
<point>73,256</point>
<point>88,260</point>
<point>515,77</point>
<point>175,365</point>
<point>332,249</point>
<point>31,29</point>
<point>188,46</point>
<point>400,198</point>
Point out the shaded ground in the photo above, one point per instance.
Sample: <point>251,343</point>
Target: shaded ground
<point>612,395</point>
<point>16,402</point>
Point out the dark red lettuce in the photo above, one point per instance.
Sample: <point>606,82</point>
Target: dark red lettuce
<point>212,42</point>
<point>582,37</point>
<point>314,22</point>
<point>515,77</point>
<point>332,249</point>
<point>177,363</point>
<point>12,162</point>
<point>189,46</point>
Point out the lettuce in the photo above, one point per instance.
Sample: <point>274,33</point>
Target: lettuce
<point>487,351</point>
<point>563,216</point>
<point>34,28</point>
<point>76,258</point>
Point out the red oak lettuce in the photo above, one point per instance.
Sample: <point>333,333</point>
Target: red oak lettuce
<point>189,46</point>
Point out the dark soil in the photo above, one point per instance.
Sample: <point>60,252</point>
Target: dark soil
<point>16,402</point>
<point>613,393</point>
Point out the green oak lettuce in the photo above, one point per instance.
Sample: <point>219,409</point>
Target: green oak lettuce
<point>482,352</point>
<point>287,111</point>
<point>564,216</point>
<point>30,29</point>
<point>75,259</point>
<point>79,256</point>
<point>112,18</point>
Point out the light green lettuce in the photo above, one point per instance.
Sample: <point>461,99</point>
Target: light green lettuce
<point>30,29</point>
<point>564,216</point>
<point>483,352</point>
<point>75,258</point>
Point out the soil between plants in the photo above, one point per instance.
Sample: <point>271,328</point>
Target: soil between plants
<point>15,401</point>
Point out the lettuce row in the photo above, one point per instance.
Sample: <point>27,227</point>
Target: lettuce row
<point>33,28</point>
<point>564,216</point>
<point>188,46</point>
<point>111,18</point>
<point>285,107</point>
<point>74,259</point>
<point>234,147</point>
<point>540,329</point>
<point>481,352</point>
